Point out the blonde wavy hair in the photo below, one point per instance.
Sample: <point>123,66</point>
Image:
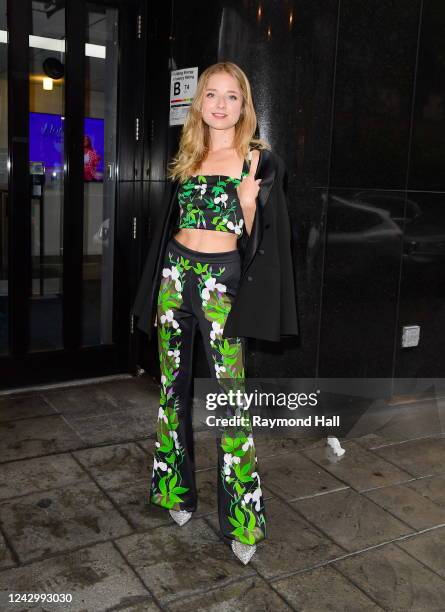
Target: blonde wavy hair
<point>194,140</point>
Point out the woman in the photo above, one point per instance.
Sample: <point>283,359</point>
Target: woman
<point>198,278</point>
<point>91,160</point>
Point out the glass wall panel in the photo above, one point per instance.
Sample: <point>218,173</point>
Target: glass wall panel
<point>99,172</point>
<point>4,311</point>
<point>46,170</point>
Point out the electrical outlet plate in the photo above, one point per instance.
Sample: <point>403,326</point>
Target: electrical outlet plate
<point>410,335</point>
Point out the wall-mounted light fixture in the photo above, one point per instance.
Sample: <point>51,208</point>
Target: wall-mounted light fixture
<point>47,83</point>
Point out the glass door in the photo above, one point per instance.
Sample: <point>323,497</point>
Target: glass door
<point>64,310</point>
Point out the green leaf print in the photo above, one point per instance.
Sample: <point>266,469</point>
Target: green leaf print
<point>185,263</point>
<point>229,444</point>
<point>167,444</point>
<point>239,488</point>
<point>239,532</point>
<point>252,521</point>
<point>172,482</point>
<point>175,498</point>
<point>162,485</point>
<point>200,269</point>
<point>240,516</point>
<point>228,349</point>
<point>241,473</point>
<point>217,308</point>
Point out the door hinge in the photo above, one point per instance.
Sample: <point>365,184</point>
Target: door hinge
<point>139,26</point>
<point>137,129</point>
<point>135,224</point>
<point>132,324</point>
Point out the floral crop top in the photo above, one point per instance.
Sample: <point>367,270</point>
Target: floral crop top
<point>211,202</point>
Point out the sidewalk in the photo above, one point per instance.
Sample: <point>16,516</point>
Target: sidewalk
<point>365,532</point>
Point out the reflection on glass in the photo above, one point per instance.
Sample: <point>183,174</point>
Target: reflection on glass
<point>99,173</point>
<point>46,159</point>
<point>3,181</point>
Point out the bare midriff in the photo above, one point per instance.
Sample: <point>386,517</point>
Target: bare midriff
<point>206,241</point>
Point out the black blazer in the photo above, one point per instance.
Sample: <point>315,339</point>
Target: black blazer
<point>265,304</point>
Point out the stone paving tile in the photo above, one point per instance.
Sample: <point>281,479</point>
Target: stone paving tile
<point>427,547</point>
<point>147,605</point>
<point>39,474</point>
<point>418,457</point>
<point>117,465</point>
<point>6,559</point>
<point>59,520</point>
<point>350,519</point>
<point>323,589</point>
<point>97,577</point>
<point>250,595</point>
<point>393,579</point>
<point>268,446</point>
<point>358,467</point>
<point>81,401</point>
<point>175,562</point>
<point>293,475</point>
<point>12,408</point>
<point>132,501</point>
<point>33,437</point>
<point>291,543</point>
<point>393,424</point>
<point>122,426</point>
<point>133,393</point>
<point>409,506</point>
<point>147,445</point>
<point>206,485</point>
<point>431,487</point>
<point>205,450</point>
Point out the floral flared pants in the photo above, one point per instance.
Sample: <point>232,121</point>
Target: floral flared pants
<point>197,291</point>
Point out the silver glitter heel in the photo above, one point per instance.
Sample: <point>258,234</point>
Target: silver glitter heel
<point>180,516</point>
<point>244,552</point>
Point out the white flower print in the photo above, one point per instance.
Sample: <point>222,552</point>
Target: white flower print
<point>175,353</point>
<point>221,198</point>
<point>161,465</point>
<point>202,187</point>
<point>217,330</point>
<point>162,415</point>
<point>249,442</point>
<point>229,460</point>
<point>174,273</point>
<point>255,497</point>
<point>169,318</point>
<point>174,435</point>
<point>257,476</point>
<point>236,227</point>
<point>219,369</point>
<point>211,285</point>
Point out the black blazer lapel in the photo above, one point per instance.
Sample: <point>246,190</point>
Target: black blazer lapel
<point>266,171</point>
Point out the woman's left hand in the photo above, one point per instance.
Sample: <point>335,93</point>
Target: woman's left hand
<point>247,192</point>
<point>249,187</point>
